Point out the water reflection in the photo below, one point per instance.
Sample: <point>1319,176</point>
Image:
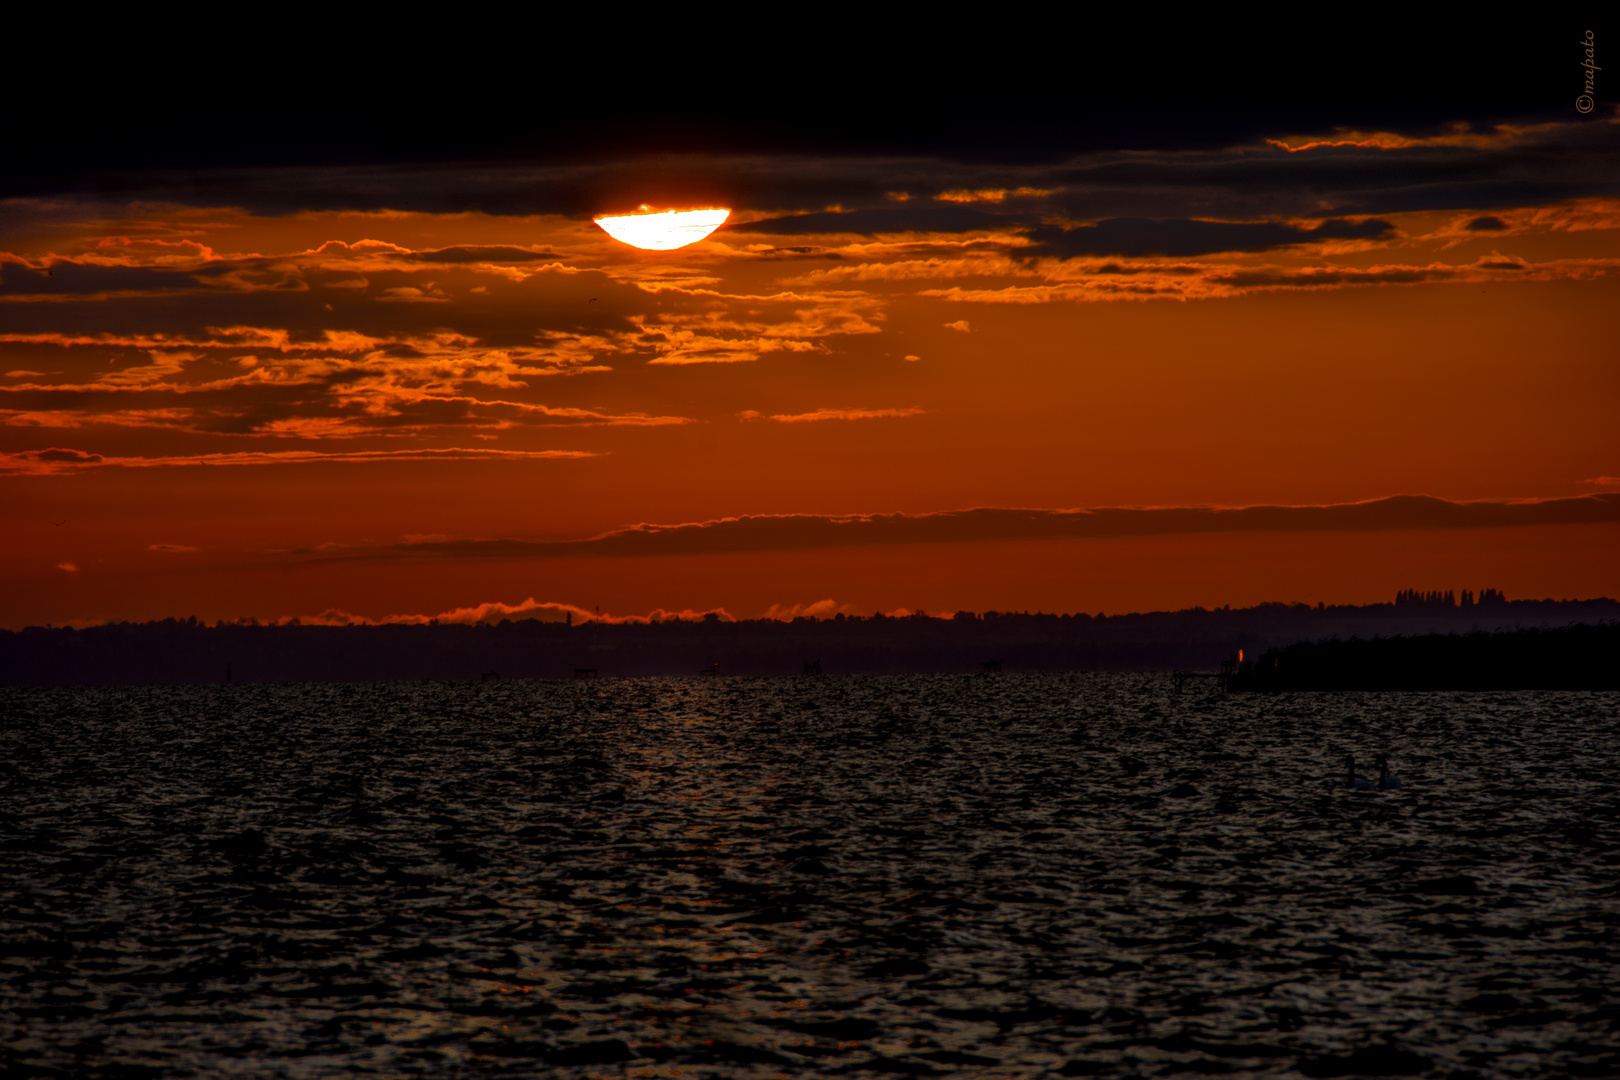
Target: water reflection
<point>1052,874</point>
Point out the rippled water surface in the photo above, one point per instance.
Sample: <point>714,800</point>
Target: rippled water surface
<point>1010,875</point>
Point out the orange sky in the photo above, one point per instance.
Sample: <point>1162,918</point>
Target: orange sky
<point>229,408</point>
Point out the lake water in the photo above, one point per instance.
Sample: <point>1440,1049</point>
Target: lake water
<point>1010,875</point>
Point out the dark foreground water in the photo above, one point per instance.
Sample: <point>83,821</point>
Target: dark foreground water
<point>1013,876</point>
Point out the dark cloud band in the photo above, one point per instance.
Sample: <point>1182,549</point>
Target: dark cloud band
<point>945,219</point>
<point>1144,236</point>
<point>1238,179</point>
<point>803,531</point>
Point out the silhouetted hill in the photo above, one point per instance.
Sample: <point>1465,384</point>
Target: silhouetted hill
<point>185,651</point>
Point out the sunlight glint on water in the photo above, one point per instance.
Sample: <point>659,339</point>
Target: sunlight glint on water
<point>1065,874</point>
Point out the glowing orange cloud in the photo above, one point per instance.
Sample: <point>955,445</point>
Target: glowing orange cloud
<point>843,414</point>
<point>1385,140</point>
<point>164,368</point>
<point>495,611</point>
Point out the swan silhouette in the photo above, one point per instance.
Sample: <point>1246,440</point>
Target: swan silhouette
<point>1387,781</point>
<point>1352,781</point>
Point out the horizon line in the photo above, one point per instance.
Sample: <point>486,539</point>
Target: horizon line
<point>572,616</point>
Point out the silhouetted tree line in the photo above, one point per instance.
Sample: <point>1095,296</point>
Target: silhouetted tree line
<point>183,651</point>
<point>1448,599</point>
<point>1578,657</point>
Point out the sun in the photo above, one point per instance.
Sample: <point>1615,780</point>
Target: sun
<point>663,232</point>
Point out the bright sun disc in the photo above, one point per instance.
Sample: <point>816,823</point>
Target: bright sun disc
<point>663,232</point>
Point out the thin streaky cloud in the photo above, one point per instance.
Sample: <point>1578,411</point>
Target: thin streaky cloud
<point>56,460</point>
<point>844,414</point>
<point>1114,281</point>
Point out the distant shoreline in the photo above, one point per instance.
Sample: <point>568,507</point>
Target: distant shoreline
<point>1581,657</point>
<point>187,652</point>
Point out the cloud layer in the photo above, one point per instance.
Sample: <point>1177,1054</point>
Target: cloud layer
<point>495,611</point>
<point>306,303</point>
<point>1001,301</point>
<point>810,531</point>
<point>56,460</point>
